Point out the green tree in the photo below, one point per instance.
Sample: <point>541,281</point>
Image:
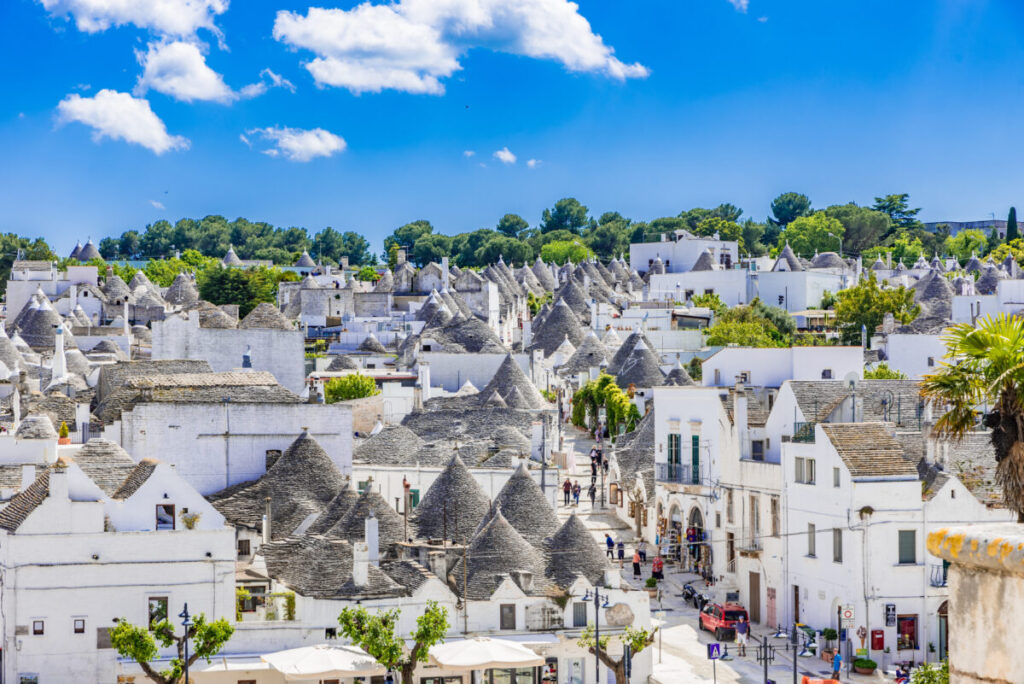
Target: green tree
<point>982,380</point>
<point>567,214</point>
<point>965,243</point>
<point>711,301</point>
<point>610,237</point>
<point>867,302</point>
<point>140,644</point>
<point>897,207</point>
<point>512,251</point>
<point>883,372</point>
<point>993,239</point>
<point>788,207</point>
<point>740,333</point>
<point>753,234</point>
<point>1012,232</point>
<point>31,250</point>
<point>808,235</point>
<point>561,251</point>
<point>863,227</point>
<point>130,244</point>
<point>352,386</point>
<point>430,247</point>
<point>726,230</point>
<point>930,673</point>
<point>901,248</point>
<point>511,225</point>
<point>109,248</point>
<point>1016,248</point>
<point>376,634</point>
<point>637,638</point>
<point>693,217</point>
<point>407,235</point>
<point>367,274</point>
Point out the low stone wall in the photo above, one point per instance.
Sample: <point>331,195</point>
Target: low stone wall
<point>986,601</point>
<point>365,413</point>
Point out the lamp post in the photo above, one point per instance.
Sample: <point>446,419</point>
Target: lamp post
<point>186,622</point>
<point>840,243</point>
<point>597,630</point>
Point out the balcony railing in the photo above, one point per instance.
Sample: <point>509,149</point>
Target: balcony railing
<point>937,575</point>
<point>674,472</point>
<point>803,433</point>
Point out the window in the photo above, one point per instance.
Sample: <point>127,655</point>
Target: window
<point>37,627</point>
<point>675,453</point>
<point>688,295</point>
<point>908,547</point>
<point>728,507</point>
<point>826,374</point>
<point>79,625</point>
<point>744,377</point>
<point>165,516</point>
<point>579,614</point>
<point>835,477</point>
<point>718,518</point>
<point>330,633</point>
<point>243,548</point>
<point>775,516</point>
<point>931,361</point>
<point>157,609</point>
<point>804,470</point>
<point>257,597</point>
<point>755,517</point>
<point>710,290</point>
<point>906,632</point>
<point>508,616</point>
<point>837,545</point>
<point>246,681</point>
<point>757,449</point>
<point>730,551</point>
<point>812,550</point>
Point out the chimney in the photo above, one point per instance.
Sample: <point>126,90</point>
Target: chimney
<point>60,362</point>
<point>344,263</point>
<point>266,520</point>
<point>127,326</point>
<point>524,578</point>
<point>417,398</point>
<point>400,257</point>
<point>28,476</point>
<point>739,409</point>
<point>445,275</point>
<point>360,564</point>
<point>423,369</point>
<point>58,483</point>
<point>247,357</point>
<point>527,333</point>
<point>372,539</point>
<point>72,297</point>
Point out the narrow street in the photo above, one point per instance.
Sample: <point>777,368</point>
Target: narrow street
<point>681,651</point>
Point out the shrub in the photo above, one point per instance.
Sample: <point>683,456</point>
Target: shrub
<point>830,635</point>
<point>651,583</point>
<point>865,663</point>
<point>63,430</point>
<point>353,386</point>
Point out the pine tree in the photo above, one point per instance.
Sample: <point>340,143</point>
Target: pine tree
<point>1012,232</point>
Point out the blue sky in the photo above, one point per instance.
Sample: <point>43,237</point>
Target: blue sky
<point>365,114</point>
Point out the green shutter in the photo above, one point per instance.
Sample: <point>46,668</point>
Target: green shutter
<point>908,544</point>
<point>695,439</point>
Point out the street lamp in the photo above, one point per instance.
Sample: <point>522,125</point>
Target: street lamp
<point>840,243</point>
<point>186,622</point>
<point>597,630</point>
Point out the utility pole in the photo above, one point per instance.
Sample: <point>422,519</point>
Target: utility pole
<point>465,601</point>
<point>186,621</point>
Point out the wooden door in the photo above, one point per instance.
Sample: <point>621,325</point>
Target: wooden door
<point>796,603</point>
<point>754,609</point>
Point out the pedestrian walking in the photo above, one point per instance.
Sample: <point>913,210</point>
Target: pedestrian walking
<point>642,549</point>
<point>567,490</point>
<point>636,564</point>
<point>621,549</point>
<point>837,664</point>
<point>592,493</point>
<point>576,489</point>
<point>605,463</point>
<point>658,568</point>
<point>610,543</point>
<point>742,629</point>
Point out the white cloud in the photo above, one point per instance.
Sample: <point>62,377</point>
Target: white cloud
<point>119,116</point>
<point>157,205</point>
<point>241,136</point>
<point>179,69</point>
<point>297,144</point>
<point>82,87</point>
<point>412,45</point>
<point>468,153</point>
<point>740,5</point>
<point>534,163</point>
<point>762,19</point>
<point>270,80</point>
<point>505,156</point>
<point>181,18</point>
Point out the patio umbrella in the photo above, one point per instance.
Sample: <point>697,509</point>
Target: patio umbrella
<point>484,653</point>
<point>324,661</point>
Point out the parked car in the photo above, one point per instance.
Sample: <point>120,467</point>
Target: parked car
<point>721,619</point>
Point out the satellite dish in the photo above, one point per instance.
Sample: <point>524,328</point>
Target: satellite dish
<point>851,379</point>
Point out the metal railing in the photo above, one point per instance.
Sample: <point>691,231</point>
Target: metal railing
<point>803,433</point>
<point>674,472</point>
<point>937,575</point>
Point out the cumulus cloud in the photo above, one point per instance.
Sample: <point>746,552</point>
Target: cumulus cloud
<point>119,116</point>
<point>762,19</point>
<point>180,18</point>
<point>269,80</point>
<point>179,69</point>
<point>412,45</point>
<point>534,163</point>
<point>297,144</point>
<point>157,205</point>
<point>740,5</point>
<point>468,153</point>
<point>505,156</point>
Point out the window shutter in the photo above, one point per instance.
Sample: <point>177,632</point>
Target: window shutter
<point>908,551</point>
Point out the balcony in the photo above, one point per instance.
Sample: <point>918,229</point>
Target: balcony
<point>674,472</point>
<point>937,575</point>
<point>803,433</point>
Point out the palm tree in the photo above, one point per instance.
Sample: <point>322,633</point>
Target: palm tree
<point>984,367</point>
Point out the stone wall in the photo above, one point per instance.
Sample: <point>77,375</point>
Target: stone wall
<point>365,412</point>
<point>986,593</point>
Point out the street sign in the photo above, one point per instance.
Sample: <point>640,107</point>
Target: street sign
<point>890,614</point>
<point>846,616</point>
<point>714,651</point>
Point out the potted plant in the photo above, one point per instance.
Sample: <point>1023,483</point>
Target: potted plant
<point>652,587</point>
<point>64,438</point>
<point>829,635</point>
<point>864,666</point>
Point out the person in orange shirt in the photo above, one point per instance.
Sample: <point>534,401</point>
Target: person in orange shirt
<point>636,564</point>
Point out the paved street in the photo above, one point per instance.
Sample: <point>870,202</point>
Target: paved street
<point>681,653</point>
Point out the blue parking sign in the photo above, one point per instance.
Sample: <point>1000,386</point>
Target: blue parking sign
<point>714,651</point>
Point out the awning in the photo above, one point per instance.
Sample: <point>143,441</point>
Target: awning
<point>324,661</point>
<point>483,653</point>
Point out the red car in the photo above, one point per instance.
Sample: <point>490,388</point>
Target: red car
<point>721,619</point>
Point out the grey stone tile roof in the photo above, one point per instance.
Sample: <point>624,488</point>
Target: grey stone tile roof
<point>524,506</point>
<point>390,525</point>
<point>114,375</point>
<point>25,502</point>
<point>528,280</point>
<point>266,315</point>
<point>493,400</point>
<point>432,307</point>
<point>705,262</point>
<point>334,511</point>
<point>211,316</point>
<point>972,461</point>
<point>973,264</point>
<point>38,328</point>
<point>89,252</point>
<point>678,376</point>
<point>371,344</point>
<point>36,427</point>
<point>115,288</point>
<point>640,368</point>
<point>138,477</point>
<point>625,349</point>
<point>787,261</point>
<point>497,552</point>
<point>879,265</point>
<point>56,406</point>
<point>386,282</point>
<point>828,260</point>
<point>573,551</point>
<point>989,280</point>
<point>408,573</point>
<point>182,292</point>
<point>394,445</point>
<point>455,504</point>
<point>231,259</point>
<point>515,399</point>
<point>300,483</point>
<point>305,261</point>
<point>572,294</point>
<point>559,324</point>
<point>109,347</point>
<point>544,275</point>
<point>140,279</point>
<point>9,355</point>
<point>634,454</point>
<point>468,425</point>
<point>591,353</point>
<point>510,376</point>
<point>465,335</point>
<point>342,362</point>
<point>817,399</point>
<point>757,413</point>
<point>319,567</point>
<point>869,450</point>
<point>106,464</point>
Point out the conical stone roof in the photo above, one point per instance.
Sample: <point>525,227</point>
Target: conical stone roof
<point>558,325</point>
<point>679,377</point>
<point>89,252</point>
<point>372,344</point>
<point>787,261</point>
<point>343,362</point>
<point>572,551</point>
<point>182,292</point>
<point>455,503</point>
<point>973,264</point>
<point>705,262</point>
<point>590,354</point>
<point>335,510</point>
<point>498,552</point>
<point>494,400</point>
<point>231,259</point>
<point>305,261</point>
<point>140,279</point>
<point>640,368</point>
<point>543,273</point>
<point>510,375</point>
<point>115,288</point>
<point>266,316</point>
<point>625,349</point>
<point>390,525</point>
<point>524,506</point>
<point>515,400</point>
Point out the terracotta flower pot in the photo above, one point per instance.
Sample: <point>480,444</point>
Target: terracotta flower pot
<point>63,440</point>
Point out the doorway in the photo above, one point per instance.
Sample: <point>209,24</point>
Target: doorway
<point>796,603</point>
<point>754,609</point>
<point>943,630</point>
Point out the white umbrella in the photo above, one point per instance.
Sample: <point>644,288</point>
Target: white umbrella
<point>324,661</point>
<point>484,653</point>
